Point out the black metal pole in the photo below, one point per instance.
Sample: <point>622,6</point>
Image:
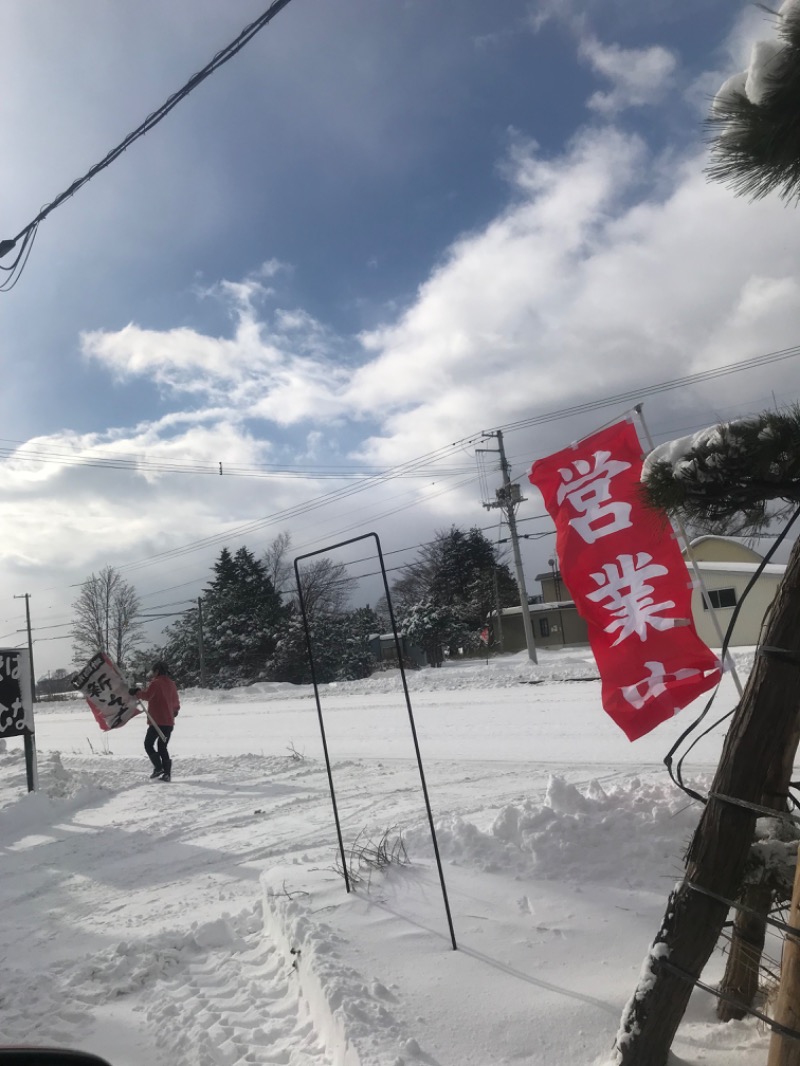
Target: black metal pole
<point>416,744</point>
<point>28,739</point>
<point>399,652</point>
<point>319,716</point>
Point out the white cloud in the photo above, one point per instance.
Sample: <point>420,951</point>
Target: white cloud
<point>638,76</point>
<point>282,369</point>
<point>606,269</point>
<point>474,319</point>
<point>579,287</point>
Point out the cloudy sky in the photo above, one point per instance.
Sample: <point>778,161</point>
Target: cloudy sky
<point>376,232</point>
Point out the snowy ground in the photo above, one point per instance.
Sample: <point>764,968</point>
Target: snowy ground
<point>203,922</point>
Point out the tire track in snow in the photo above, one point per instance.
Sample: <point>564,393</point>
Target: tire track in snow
<point>218,995</point>
<point>236,1002</point>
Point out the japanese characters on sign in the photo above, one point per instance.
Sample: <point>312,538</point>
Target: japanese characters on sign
<point>628,578</point>
<point>16,702</point>
<point>106,692</point>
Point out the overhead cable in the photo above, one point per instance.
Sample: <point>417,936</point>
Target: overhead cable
<point>228,52</point>
<point>651,390</point>
<point>142,464</point>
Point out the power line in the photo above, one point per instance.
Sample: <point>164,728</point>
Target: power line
<point>228,52</point>
<point>352,562</point>
<point>294,511</point>
<point>265,470</point>
<point>651,390</point>
<point>14,271</point>
<point>424,461</point>
<point>440,454</point>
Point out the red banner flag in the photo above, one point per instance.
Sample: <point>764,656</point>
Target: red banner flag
<point>628,578</point>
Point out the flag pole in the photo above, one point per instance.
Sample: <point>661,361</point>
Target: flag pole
<point>696,567</point>
<point>150,720</point>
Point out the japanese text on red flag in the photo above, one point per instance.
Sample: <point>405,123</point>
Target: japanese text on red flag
<point>106,692</point>
<point>628,579</point>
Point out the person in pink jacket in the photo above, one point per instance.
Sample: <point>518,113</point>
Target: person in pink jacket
<point>163,705</point>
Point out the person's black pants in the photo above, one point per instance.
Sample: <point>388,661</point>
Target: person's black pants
<point>159,758</point>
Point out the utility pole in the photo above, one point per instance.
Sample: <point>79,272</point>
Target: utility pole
<point>30,747</point>
<point>200,646</point>
<point>26,596</point>
<point>509,498</point>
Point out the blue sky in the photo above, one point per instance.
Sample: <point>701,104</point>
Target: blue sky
<point>378,230</point>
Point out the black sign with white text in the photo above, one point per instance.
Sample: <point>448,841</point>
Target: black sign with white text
<point>16,707</point>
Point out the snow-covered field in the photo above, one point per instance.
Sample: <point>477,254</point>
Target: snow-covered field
<point>203,922</point>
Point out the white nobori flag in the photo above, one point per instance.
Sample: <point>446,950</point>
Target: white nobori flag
<point>106,692</point>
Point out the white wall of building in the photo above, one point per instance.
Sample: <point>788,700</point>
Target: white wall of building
<point>727,575</point>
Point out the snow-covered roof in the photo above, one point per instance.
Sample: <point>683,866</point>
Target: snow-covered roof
<point>718,549</point>
<point>539,608</point>
<point>695,541</point>
<point>739,568</point>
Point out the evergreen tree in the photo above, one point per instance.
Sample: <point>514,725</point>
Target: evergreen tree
<point>756,137</point>
<point>429,626</point>
<point>736,478</point>
<point>448,592</point>
<point>340,645</point>
<point>289,662</point>
<point>140,663</point>
<point>466,577</point>
<point>181,650</point>
<point>242,613</point>
<point>242,618</point>
<point>360,626</point>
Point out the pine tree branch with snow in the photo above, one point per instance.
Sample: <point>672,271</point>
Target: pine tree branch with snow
<point>734,478</point>
<point>755,117</point>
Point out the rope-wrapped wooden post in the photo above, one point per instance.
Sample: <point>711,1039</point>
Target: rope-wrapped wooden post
<point>785,1050</point>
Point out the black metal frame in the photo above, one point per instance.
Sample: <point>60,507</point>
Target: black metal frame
<point>398,648</point>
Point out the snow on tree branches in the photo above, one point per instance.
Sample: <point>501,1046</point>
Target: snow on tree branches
<point>732,477</point>
<point>755,145</point>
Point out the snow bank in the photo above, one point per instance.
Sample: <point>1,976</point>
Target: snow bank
<point>351,1012</point>
<point>502,671</point>
<point>630,833</point>
<point>60,791</point>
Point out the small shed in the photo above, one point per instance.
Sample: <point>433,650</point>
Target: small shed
<point>554,624</point>
<point>384,650</point>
